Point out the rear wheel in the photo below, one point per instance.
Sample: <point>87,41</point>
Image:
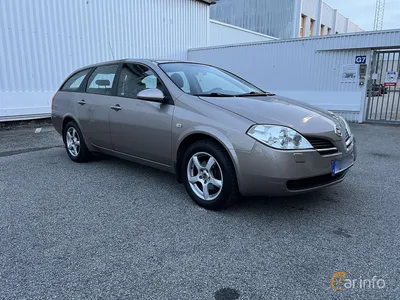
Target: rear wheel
<point>75,144</point>
<point>209,175</point>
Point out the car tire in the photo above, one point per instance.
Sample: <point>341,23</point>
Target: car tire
<point>75,143</point>
<point>212,185</point>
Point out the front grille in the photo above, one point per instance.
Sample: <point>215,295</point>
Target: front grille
<point>324,147</point>
<point>349,142</point>
<point>346,135</point>
<point>312,182</point>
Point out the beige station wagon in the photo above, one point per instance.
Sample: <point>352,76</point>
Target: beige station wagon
<point>222,136</point>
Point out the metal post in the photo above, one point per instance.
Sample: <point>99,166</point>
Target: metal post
<point>318,20</point>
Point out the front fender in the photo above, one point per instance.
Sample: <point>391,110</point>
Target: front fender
<point>213,133</point>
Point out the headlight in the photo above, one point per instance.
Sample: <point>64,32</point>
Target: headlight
<point>345,124</point>
<point>279,137</point>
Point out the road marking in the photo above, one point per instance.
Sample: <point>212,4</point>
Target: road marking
<point>38,130</point>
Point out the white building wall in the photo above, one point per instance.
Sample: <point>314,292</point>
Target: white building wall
<point>341,25</point>
<point>305,69</point>
<point>42,42</point>
<point>352,27</point>
<point>225,34</point>
<point>310,8</point>
<point>328,16</point>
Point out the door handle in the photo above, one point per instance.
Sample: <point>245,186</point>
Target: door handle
<point>116,107</point>
<point>82,102</point>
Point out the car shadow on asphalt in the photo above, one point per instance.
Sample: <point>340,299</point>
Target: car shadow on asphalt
<point>307,202</point>
<point>300,202</point>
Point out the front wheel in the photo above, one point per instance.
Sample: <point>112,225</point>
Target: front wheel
<point>209,175</point>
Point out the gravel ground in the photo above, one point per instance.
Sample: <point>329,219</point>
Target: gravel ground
<point>110,229</point>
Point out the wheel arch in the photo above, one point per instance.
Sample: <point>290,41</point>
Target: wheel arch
<point>67,118</point>
<point>200,134</point>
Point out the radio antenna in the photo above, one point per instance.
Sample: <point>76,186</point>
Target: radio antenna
<point>111,50</point>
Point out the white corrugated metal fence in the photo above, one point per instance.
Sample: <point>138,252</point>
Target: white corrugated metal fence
<point>43,41</point>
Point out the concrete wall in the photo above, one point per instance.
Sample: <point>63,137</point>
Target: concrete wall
<point>42,42</point>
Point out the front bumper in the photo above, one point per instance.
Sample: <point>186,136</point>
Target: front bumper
<point>265,171</point>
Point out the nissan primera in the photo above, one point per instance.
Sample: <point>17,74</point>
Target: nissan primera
<point>222,136</point>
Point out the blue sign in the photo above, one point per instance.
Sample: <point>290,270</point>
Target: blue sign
<point>361,59</point>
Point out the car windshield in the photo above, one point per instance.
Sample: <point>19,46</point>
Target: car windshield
<point>203,80</point>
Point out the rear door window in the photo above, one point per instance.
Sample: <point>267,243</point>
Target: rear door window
<point>102,80</point>
<point>75,81</point>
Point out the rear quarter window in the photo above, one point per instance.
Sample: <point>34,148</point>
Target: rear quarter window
<point>75,81</point>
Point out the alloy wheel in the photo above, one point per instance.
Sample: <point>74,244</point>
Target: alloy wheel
<point>73,141</point>
<point>205,176</point>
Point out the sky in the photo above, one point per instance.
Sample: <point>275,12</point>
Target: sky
<point>362,12</point>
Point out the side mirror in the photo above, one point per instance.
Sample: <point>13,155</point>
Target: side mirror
<point>155,95</point>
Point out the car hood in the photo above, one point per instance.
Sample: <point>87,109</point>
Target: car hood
<point>306,119</point>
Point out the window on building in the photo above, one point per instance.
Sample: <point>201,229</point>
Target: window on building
<point>312,24</point>
<point>329,31</point>
<point>136,78</point>
<point>322,29</point>
<point>75,81</point>
<point>102,79</point>
<point>302,24</point>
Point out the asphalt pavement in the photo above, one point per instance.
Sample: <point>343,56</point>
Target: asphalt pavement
<point>111,229</point>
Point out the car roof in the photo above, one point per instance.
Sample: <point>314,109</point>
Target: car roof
<point>133,60</point>
<point>137,60</point>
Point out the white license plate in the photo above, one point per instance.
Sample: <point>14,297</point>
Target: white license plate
<point>342,164</point>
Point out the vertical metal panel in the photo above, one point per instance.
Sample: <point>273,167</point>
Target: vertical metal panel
<point>43,41</point>
<point>307,69</point>
<point>272,17</point>
<point>225,34</point>
<point>383,103</point>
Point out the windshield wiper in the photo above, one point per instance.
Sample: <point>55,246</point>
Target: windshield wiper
<point>255,94</point>
<point>214,95</point>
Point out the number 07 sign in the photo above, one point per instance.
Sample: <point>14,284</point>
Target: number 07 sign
<point>391,78</point>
